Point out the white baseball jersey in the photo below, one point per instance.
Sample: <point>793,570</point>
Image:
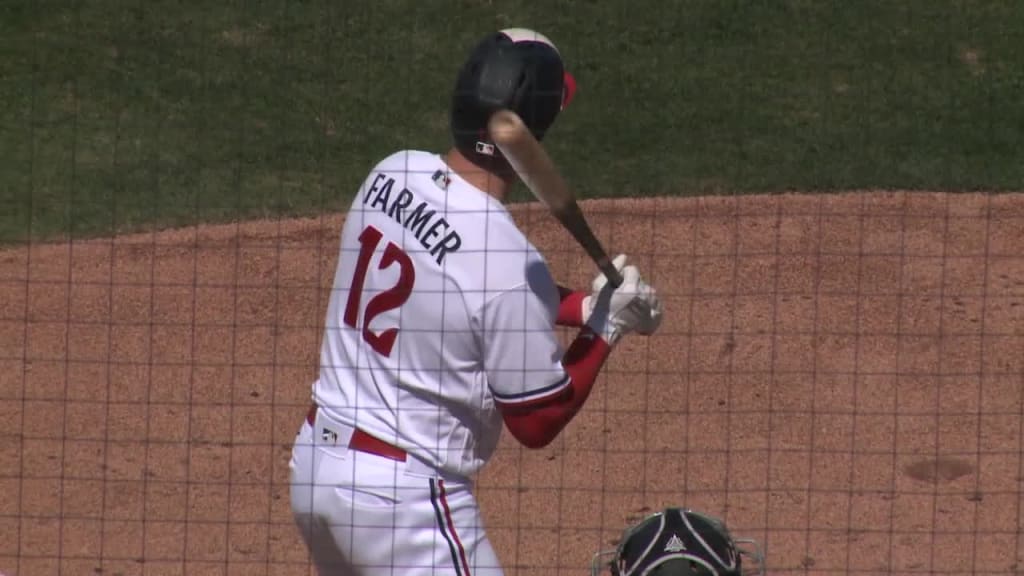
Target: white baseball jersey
<point>440,308</point>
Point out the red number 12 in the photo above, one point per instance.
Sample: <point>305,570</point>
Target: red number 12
<point>387,300</point>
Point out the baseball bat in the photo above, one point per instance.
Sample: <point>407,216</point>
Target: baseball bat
<point>536,169</point>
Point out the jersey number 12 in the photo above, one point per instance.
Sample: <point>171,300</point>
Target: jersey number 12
<point>389,299</point>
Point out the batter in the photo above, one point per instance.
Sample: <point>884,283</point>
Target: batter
<point>440,332</point>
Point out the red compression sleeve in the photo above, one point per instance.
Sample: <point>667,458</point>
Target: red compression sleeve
<point>570,307</point>
<point>536,424</point>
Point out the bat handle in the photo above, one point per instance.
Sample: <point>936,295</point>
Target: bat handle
<point>611,272</point>
<point>572,219</point>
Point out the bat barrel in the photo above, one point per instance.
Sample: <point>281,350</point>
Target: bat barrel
<point>538,172</point>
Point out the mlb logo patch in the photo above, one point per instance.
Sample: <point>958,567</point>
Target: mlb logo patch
<point>441,179</point>
<point>485,148</point>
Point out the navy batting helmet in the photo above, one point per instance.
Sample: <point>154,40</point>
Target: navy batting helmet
<point>681,542</point>
<point>517,69</point>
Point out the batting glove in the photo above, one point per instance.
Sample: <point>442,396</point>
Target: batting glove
<point>632,307</point>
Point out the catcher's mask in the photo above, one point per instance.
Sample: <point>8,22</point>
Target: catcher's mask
<point>517,69</point>
<point>680,542</point>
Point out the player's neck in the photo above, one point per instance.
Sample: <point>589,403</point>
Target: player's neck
<point>491,183</point>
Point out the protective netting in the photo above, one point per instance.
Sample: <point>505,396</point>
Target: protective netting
<point>839,376</point>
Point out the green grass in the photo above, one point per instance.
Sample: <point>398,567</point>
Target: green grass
<point>116,116</point>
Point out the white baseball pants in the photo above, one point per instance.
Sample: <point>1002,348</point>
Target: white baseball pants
<point>361,514</point>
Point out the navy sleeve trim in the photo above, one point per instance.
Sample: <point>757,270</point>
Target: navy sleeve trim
<point>533,394</point>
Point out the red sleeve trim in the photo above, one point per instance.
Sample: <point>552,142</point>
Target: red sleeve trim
<point>570,307</point>
<point>536,424</point>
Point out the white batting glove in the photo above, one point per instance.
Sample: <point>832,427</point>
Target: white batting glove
<point>632,307</point>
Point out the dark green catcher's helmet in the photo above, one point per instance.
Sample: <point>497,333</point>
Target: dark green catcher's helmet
<point>681,542</point>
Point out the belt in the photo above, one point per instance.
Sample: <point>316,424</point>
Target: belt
<point>363,442</point>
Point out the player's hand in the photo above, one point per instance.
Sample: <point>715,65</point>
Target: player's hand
<point>632,307</point>
<point>649,322</point>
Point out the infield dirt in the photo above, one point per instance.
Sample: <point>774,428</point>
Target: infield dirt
<point>838,376</point>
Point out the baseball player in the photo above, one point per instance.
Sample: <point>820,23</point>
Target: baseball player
<point>680,542</point>
<point>440,330</point>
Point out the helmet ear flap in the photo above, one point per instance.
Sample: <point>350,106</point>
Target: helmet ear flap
<point>500,84</point>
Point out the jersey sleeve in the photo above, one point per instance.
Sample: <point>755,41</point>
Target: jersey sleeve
<point>522,354</point>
